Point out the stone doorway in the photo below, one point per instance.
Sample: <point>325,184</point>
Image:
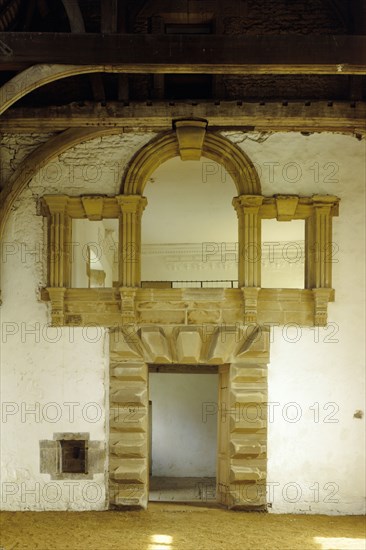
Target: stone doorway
<point>241,408</point>
<point>183,433</point>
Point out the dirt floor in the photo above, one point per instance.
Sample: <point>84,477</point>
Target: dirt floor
<point>179,527</point>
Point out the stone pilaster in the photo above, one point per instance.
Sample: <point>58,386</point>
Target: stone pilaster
<point>59,241</point>
<point>319,251</point>
<point>320,254</point>
<point>132,207</point>
<point>247,209</point>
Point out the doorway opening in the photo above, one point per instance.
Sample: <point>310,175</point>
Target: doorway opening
<point>183,433</point>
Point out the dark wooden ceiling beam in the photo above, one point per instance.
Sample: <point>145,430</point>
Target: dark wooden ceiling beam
<point>113,19</point>
<point>357,10</point>
<point>133,53</point>
<point>317,116</point>
<point>74,15</point>
<point>109,16</point>
<point>77,25</point>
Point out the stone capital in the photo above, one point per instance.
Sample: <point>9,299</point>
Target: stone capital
<point>131,204</point>
<point>326,203</point>
<point>55,204</point>
<point>247,203</point>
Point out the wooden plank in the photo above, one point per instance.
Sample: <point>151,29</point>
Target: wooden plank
<point>134,53</point>
<point>318,116</point>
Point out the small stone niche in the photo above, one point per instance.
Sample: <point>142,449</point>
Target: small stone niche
<point>73,456</point>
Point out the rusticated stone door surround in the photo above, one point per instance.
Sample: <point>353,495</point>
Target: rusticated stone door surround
<point>242,355</point>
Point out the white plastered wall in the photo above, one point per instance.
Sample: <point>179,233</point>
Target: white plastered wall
<point>316,447</point>
<point>61,374</point>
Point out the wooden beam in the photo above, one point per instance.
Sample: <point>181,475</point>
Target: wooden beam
<point>74,15</point>
<point>134,53</point>
<point>358,16</point>
<point>97,85</point>
<point>318,116</point>
<point>109,9</point>
<point>77,25</point>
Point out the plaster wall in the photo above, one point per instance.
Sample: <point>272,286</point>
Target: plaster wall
<point>43,380</point>
<point>16,147</point>
<point>60,374</point>
<point>316,451</point>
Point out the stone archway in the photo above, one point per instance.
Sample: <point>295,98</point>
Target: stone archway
<point>242,355</point>
<point>190,140</point>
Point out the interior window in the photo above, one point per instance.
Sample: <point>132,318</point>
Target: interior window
<point>94,254</point>
<point>283,254</point>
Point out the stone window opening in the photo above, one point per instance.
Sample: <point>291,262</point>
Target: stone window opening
<point>73,456</point>
<point>283,254</point>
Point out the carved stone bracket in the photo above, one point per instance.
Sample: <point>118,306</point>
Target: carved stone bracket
<point>321,298</point>
<point>250,295</point>
<point>57,297</point>
<point>128,296</point>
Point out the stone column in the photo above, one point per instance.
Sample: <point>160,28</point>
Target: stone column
<point>320,254</point>
<point>58,253</point>
<point>131,207</point>
<point>247,209</point>
<point>59,241</point>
